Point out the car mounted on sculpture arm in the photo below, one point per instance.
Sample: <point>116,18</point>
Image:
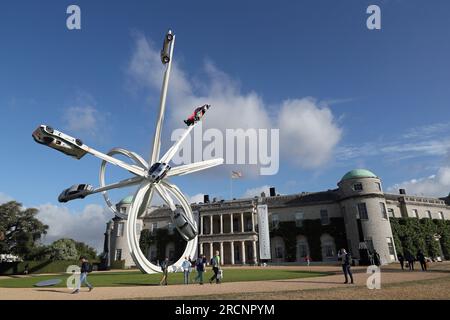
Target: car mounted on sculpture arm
<point>186,227</point>
<point>68,145</point>
<point>165,52</point>
<point>197,115</point>
<point>77,191</point>
<point>158,171</point>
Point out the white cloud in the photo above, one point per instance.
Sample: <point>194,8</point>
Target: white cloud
<point>5,198</point>
<point>309,132</point>
<point>87,226</point>
<point>250,193</point>
<point>437,185</point>
<point>82,119</point>
<point>196,198</point>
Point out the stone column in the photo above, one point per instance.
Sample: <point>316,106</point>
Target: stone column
<point>232,252</point>
<point>242,222</point>
<point>221,223</point>
<point>211,250</point>
<point>255,256</point>
<point>253,222</point>
<point>211,224</point>
<point>201,248</point>
<point>231,223</point>
<point>221,253</point>
<point>243,251</point>
<point>201,225</point>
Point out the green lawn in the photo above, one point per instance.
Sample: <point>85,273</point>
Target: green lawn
<point>136,278</point>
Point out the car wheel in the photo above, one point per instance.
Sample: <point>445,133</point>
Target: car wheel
<point>169,37</point>
<point>50,129</point>
<point>79,142</point>
<point>166,59</point>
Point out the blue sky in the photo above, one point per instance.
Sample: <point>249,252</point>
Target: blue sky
<point>378,99</point>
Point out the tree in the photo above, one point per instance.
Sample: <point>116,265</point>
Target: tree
<point>85,251</point>
<point>19,229</point>
<point>63,249</point>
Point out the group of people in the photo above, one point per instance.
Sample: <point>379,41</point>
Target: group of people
<point>410,259</point>
<point>199,265</point>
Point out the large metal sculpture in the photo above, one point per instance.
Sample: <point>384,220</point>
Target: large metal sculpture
<point>150,176</point>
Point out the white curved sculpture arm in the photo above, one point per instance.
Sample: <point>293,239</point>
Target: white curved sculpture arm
<point>174,149</point>
<point>194,167</point>
<point>166,197</point>
<point>120,184</point>
<point>131,168</point>
<point>162,107</point>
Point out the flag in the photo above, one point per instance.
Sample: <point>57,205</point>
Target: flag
<point>236,174</point>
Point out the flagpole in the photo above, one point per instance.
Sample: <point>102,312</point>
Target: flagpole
<point>231,187</point>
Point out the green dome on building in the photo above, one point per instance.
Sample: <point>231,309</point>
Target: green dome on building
<point>126,200</point>
<point>358,173</point>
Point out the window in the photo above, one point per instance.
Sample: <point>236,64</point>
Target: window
<point>358,187</point>
<point>391,213</point>
<point>415,213</point>
<point>378,186</point>
<point>324,217</point>
<point>299,216</point>
<point>390,244</point>
<point>120,227</point>
<point>369,244</point>
<point>279,252</point>
<point>441,215</point>
<point>429,214</point>
<point>123,209</point>
<point>154,227</point>
<point>118,255</point>
<point>383,210</point>
<point>170,227</point>
<point>275,220</point>
<point>362,210</point>
<point>329,251</point>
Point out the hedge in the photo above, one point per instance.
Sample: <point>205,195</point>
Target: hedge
<point>120,264</point>
<point>49,266</point>
<point>412,234</point>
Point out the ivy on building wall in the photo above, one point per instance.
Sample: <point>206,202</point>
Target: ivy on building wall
<point>312,230</point>
<point>412,234</point>
<point>161,238</point>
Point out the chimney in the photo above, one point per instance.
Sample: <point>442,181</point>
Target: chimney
<point>272,192</point>
<point>206,198</point>
<point>402,191</point>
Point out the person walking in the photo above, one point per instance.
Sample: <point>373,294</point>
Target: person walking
<point>410,259</point>
<point>376,258</point>
<point>85,269</point>
<point>165,270</point>
<point>422,260</point>
<point>401,259</point>
<point>187,268</point>
<point>308,260</point>
<point>215,263</point>
<point>200,267</point>
<point>346,261</point>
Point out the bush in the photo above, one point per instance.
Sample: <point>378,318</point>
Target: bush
<point>120,264</point>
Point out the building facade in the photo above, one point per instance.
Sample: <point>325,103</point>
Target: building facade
<point>354,216</point>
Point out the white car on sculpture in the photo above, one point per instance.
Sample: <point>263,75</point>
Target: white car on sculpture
<point>77,191</point>
<point>68,145</point>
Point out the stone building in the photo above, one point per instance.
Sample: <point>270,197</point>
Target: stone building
<point>355,216</point>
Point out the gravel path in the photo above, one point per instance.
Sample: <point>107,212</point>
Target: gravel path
<point>395,284</point>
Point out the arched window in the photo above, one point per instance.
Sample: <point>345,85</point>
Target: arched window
<point>278,251</point>
<point>302,248</point>
<point>170,251</point>
<point>328,247</point>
